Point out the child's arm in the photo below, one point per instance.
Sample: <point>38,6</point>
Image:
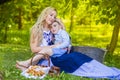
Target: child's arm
<point>65,41</point>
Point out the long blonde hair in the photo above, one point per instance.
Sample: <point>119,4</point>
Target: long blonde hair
<point>37,28</point>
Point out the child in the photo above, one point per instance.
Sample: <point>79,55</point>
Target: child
<point>61,39</point>
<point>61,42</point>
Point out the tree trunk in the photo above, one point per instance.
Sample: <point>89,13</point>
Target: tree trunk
<point>20,19</point>
<point>115,35</point>
<point>5,35</point>
<point>71,18</point>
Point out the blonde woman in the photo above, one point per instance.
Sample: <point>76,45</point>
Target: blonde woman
<point>41,36</point>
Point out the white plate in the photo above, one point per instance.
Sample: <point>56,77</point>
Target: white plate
<point>44,69</point>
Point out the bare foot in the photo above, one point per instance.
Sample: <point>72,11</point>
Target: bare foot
<point>22,63</point>
<point>20,67</point>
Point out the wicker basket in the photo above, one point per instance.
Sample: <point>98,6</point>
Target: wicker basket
<point>53,70</point>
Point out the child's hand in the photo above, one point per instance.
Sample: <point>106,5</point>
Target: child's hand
<point>55,45</point>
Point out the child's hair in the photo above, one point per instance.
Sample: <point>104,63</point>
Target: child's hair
<point>57,22</point>
<point>60,23</point>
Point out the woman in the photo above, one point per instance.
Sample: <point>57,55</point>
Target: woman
<point>41,36</point>
<point>41,39</point>
<point>74,63</point>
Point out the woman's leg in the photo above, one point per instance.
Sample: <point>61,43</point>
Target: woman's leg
<point>46,51</point>
<point>70,62</point>
<point>20,67</point>
<point>95,69</point>
<point>25,64</point>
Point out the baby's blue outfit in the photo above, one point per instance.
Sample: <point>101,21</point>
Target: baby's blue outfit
<point>63,38</point>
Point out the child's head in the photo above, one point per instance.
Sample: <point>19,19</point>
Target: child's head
<point>55,27</point>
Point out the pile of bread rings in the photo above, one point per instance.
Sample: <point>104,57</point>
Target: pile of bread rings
<point>36,71</point>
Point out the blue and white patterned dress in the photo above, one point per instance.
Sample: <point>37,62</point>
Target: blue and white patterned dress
<point>47,38</point>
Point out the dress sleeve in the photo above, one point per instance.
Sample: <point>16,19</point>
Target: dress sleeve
<point>65,40</point>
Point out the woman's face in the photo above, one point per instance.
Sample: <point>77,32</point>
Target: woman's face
<point>51,17</point>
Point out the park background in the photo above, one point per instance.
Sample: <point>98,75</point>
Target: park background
<point>93,23</point>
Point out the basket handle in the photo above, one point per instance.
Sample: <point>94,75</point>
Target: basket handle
<point>45,55</point>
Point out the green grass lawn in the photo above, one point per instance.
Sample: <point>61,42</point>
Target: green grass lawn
<point>9,53</point>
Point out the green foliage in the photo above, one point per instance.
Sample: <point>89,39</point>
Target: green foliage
<point>18,16</point>
<point>17,37</point>
<point>108,10</point>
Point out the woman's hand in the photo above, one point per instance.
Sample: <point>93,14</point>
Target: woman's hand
<point>47,50</point>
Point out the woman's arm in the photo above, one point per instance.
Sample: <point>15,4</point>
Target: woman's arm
<point>34,46</point>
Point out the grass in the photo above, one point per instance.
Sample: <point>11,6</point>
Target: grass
<point>82,35</point>
<point>9,53</point>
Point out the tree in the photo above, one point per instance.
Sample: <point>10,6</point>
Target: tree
<point>70,7</point>
<point>5,18</point>
<point>110,13</point>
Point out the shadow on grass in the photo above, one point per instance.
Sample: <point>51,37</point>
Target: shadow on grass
<point>112,60</point>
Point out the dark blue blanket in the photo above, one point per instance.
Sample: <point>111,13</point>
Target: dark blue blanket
<point>70,62</point>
